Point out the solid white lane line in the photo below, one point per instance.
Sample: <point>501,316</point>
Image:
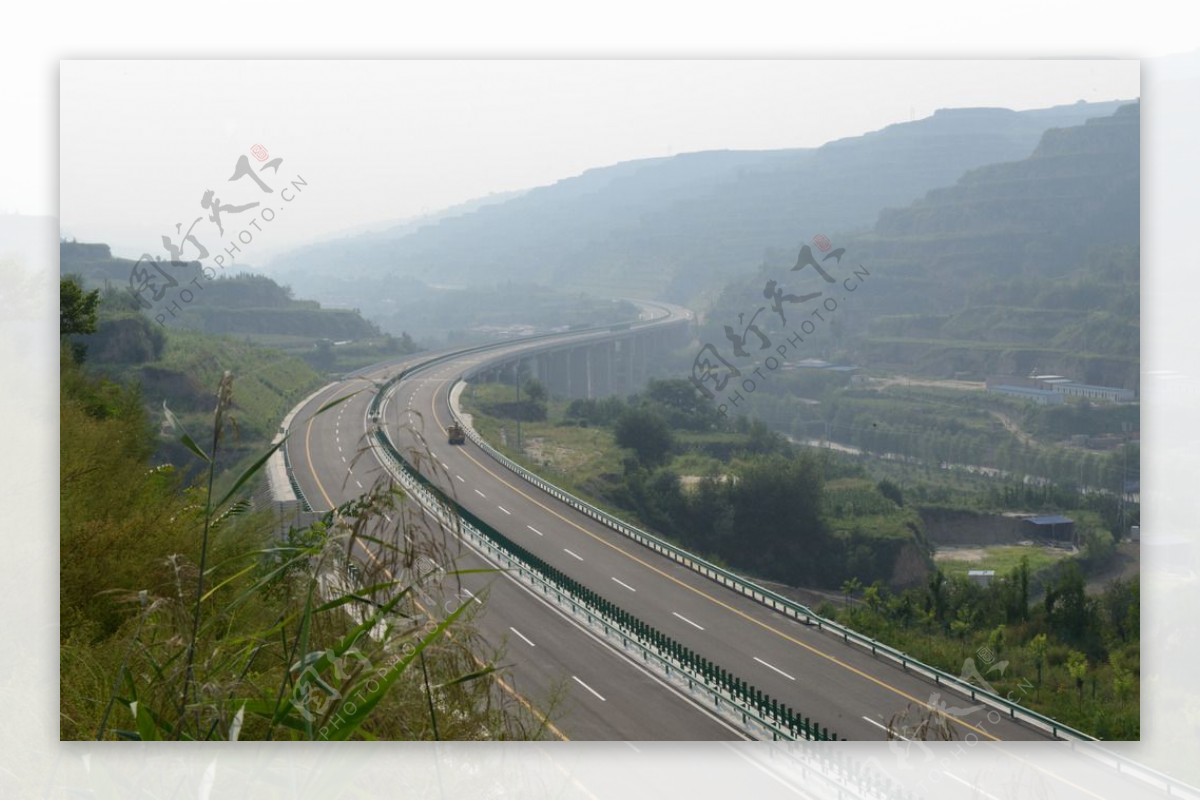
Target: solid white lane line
<point>460,478</point>
<point>623,584</point>
<point>589,689</point>
<point>772,667</point>
<point>480,494</point>
<point>685,620</point>
<point>535,531</point>
<point>577,556</point>
<point>502,509</point>
<point>522,636</point>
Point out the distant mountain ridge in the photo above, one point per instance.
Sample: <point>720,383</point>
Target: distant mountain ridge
<point>1035,218</point>
<point>677,226</point>
<point>357,243</point>
<point>1022,265</point>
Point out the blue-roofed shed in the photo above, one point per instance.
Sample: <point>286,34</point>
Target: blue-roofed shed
<point>1051,527</point>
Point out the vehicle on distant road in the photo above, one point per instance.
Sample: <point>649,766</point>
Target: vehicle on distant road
<point>455,434</point>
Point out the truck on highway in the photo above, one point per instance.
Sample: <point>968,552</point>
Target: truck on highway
<point>455,434</point>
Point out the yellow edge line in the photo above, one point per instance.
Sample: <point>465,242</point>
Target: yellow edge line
<point>716,601</point>
<point>743,615</point>
<point>901,693</point>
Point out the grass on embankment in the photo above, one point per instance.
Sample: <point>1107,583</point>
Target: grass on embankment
<point>1002,559</point>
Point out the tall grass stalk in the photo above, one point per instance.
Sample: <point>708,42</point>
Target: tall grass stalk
<point>310,636</point>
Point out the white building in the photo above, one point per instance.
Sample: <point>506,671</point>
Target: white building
<point>981,577</point>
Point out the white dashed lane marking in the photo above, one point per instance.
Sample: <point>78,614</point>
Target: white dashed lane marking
<point>589,689</point>
<point>522,636</point>
<point>772,667</point>
<point>880,725</point>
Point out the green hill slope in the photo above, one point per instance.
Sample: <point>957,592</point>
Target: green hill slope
<point>237,304</point>
<point>1029,264</point>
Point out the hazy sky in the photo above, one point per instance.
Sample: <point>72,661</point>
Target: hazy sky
<point>143,141</point>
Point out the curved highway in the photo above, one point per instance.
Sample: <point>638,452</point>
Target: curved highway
<point>555,668</point>
<point>840,686</point>
<point>605,695</point>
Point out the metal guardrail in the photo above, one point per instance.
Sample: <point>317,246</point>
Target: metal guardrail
<point>772,599</point>
<point>791,608</point>
<point>752,710</point>
<point>287,464</point>
<point>726,578</point>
